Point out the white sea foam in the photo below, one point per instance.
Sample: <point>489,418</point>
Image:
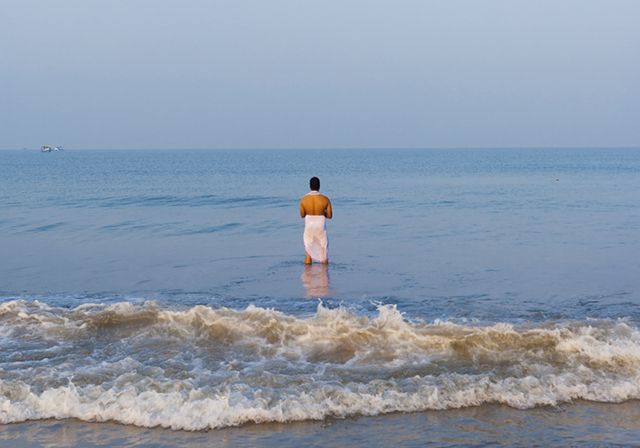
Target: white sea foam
<point>199,367</point>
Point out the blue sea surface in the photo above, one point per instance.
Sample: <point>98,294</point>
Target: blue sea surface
<point>457,278</point>
<point>538,231</point>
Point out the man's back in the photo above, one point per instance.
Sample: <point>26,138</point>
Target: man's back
<point>315,204</point>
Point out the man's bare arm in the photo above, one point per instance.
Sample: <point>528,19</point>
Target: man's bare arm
<point>303,212</point>
<point>328,212</point>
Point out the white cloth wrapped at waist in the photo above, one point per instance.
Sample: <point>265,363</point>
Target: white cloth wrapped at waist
<point>316,243</point>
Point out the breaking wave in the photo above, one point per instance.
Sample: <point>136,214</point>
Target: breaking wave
<point>196,368</point>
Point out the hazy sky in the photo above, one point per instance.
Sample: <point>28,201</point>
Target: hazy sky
<point>322,74</point>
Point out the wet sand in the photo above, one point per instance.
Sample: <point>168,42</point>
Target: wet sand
<point>577,424</point>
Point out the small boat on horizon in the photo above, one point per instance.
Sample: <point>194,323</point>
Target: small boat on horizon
<point>47,148</point>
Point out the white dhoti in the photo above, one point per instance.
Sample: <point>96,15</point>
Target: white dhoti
<point>316,243</point>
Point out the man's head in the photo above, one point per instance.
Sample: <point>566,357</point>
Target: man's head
<point>314,183</point>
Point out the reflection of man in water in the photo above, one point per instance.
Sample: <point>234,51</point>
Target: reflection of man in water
<point>315,208</point>
<point>315,280</point>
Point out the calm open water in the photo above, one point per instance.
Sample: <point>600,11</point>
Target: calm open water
<point>167,288</point>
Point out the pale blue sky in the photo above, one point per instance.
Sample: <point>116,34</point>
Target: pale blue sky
<point>324,74</point>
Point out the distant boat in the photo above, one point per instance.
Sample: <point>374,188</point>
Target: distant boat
<point>47,148</point>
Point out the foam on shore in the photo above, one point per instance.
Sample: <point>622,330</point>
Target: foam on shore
<point>197,368</point>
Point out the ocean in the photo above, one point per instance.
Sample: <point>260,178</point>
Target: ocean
<point>473,297</point>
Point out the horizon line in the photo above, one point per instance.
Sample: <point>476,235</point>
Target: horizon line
<point>333,148</point>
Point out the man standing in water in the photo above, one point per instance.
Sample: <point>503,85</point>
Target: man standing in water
<point>315,209</point>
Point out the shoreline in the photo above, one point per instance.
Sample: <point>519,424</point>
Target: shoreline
<point>570,424</point>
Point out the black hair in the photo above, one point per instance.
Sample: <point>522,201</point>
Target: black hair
<point>314,183</point>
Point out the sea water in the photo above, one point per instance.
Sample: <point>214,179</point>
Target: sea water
<point>167,288</point>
